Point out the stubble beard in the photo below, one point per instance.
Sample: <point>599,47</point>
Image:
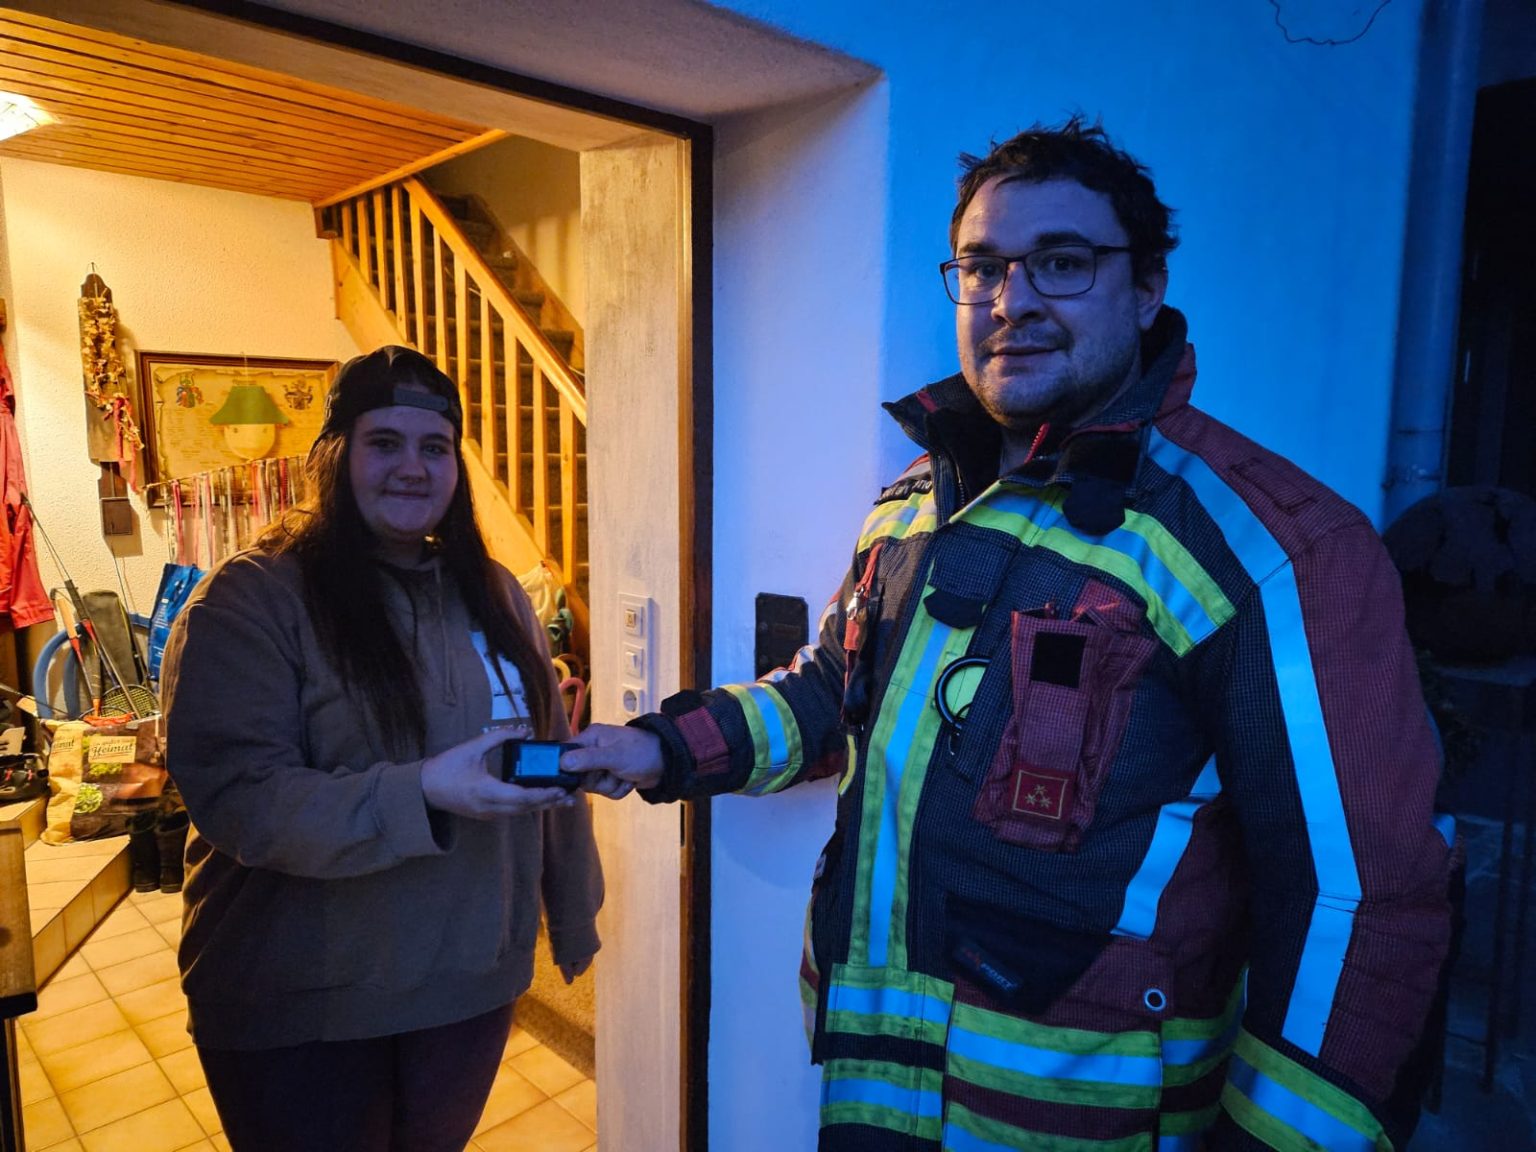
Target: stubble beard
<point>1066,393</point>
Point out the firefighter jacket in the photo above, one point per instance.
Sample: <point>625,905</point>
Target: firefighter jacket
<point>1134,844</point>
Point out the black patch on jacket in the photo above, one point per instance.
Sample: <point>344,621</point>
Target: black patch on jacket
<point>1026,964</point>
<point>1094,506</point>
<point>954,610</point>
<point>904,486</point>
<point>1102,468</point>
<point>1057,658</point>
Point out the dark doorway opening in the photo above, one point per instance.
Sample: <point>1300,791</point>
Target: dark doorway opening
<point>1493,412</point>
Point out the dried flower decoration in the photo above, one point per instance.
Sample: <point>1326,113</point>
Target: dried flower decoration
<point>106,378</point>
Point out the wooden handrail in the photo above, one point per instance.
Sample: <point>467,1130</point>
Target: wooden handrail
<point>529,335</point>
<point>418,165</point>
<point>390,234</point>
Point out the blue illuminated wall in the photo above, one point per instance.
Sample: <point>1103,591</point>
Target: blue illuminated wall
<point>1288,162</point>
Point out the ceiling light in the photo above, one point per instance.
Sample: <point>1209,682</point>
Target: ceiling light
<point>18,114</point>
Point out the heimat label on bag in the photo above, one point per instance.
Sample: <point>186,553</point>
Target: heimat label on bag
<point>66,741</point>
<point>113,749</point>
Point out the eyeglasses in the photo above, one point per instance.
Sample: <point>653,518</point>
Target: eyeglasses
<point>1060,270</point>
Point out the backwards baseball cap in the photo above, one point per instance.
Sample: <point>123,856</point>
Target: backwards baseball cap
<point>386,377</point>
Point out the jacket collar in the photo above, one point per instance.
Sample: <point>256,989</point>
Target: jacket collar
<point>1098,460</point>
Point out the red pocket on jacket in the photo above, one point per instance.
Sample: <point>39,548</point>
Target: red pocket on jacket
<point>1073,681</point>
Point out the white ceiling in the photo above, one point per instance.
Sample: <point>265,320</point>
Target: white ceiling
<point>679,56</point>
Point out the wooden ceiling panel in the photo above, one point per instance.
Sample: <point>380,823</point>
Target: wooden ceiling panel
<point>124,105</point>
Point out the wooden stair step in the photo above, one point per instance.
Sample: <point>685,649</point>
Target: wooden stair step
<point>479,233</point>
<point>563,339</point>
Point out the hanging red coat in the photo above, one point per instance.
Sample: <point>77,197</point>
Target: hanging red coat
<point>23,599</point>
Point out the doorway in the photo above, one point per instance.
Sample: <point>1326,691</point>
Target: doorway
<point>646,372</point>
<point>1493,412</point>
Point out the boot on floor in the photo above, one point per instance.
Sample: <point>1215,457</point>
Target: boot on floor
<point>144,852</point>
<point>171,840</point>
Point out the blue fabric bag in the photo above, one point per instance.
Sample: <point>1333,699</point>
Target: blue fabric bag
<point>176,584</point>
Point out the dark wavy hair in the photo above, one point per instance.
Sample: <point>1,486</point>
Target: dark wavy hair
<point>343,589</point>
<point>1083,152</point>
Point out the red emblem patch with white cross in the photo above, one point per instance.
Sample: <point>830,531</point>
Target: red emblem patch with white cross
<point>1036,794</point>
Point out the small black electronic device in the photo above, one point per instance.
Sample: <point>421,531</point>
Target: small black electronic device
<point>536,764</point>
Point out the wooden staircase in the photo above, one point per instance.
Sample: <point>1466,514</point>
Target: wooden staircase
<point>437,274</point>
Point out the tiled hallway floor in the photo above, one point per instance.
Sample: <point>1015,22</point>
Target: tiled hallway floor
<point>107,1066</point>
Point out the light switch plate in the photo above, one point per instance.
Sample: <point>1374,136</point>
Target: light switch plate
<point>633,663</point>
<point>635,617</point>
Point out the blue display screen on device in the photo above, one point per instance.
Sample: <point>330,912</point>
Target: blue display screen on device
<point>536,763</point>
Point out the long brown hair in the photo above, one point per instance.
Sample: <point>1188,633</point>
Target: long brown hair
<point>344,593</point>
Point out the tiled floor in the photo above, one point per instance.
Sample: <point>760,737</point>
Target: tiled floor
<point>107,1066</point>
<point>70,889</point>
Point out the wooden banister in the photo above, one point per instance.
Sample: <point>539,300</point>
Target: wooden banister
<point>429,276</point>
<point>393,176</point>
<point>528,334</point>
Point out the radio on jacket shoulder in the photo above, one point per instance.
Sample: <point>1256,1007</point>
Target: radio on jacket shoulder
<point>536,764</point>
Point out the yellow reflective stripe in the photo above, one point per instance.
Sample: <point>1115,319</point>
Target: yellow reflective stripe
<point>895,768</point>
<point>871,824</point>
<point>754,722</point>
<point>929,726</point>
<point>888,1002</point>
<point>966,1131</point>
<point>914,516</point>
<point>1194,1046</point>
<point>1109,560</point>
<point>1071,1041</point>
<point>1207,1027</point>
<point>777,752</point>
<point>853,765</point>
<point>807,993</point>
<point>1185,1123</point>
<point>1185,568</point>
<point>881,1094</point>
<point>1276,1099</point>
<point>1054,1089</point>
<point>1061,1065</point>
<point>1205,605</point>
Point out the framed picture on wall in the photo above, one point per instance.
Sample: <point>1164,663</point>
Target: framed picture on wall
<point>201,412</point>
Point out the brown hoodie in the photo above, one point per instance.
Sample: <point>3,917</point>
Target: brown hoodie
<point>323,902</point>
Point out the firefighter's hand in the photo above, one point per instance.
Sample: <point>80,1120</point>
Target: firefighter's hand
<point>615,760</point>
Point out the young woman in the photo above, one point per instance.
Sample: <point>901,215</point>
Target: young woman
<point>363,891</point>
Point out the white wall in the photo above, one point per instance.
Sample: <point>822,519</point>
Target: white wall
<point>534,191</point>
<point>191,270</point>
<point>639,330</point>
<point>799,265</point>
<point>1288,163</point>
